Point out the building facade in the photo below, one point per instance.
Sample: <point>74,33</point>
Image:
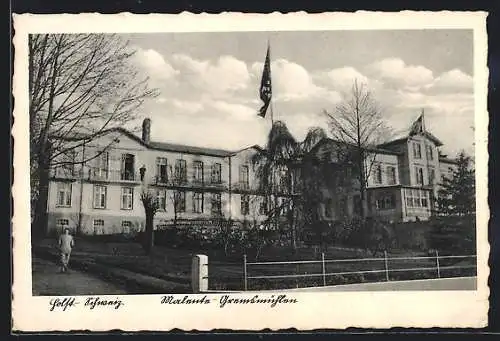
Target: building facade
<point>96,188</point>
<point>402,181</point>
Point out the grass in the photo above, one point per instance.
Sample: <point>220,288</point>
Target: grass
<point>226,273</point>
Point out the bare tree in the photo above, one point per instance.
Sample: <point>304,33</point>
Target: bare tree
<point>357,123</point>
<point>79,86</point>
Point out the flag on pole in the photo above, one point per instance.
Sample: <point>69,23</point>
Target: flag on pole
<point>418,126</point>
<point>265,86</point>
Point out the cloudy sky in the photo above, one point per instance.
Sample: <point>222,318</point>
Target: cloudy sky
<point>209,82</point>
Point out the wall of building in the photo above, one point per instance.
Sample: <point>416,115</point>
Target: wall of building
<point>424,162</point>
<point>384,161</point>
<point>393,212</point>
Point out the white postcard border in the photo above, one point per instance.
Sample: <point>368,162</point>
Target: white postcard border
<point>312,310</point>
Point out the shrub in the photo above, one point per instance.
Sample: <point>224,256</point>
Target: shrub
<point>453,234</point>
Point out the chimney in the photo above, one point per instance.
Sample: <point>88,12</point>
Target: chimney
<point>146,130</point>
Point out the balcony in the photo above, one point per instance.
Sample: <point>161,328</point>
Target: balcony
<point>102,175</point>
<point>184,183</point>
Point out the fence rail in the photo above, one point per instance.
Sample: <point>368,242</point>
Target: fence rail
<point>387,270</point>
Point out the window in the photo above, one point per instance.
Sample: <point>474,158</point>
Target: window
<point>432,175</point>
<point>264,206</point>
<point>198,202</point>
<point>378,174</point>
<point>417,151</point>
<point>98,226</point>
<point>64,194</point>
<point>100,196</point>
<point>391,175</point>
<point>180,201</point>
<point>102,166</point>
<point>408,198</point>
<point>126,225</point>
<point>161,170</point>
<point>61,224</point>
<point>243,177</point>
<point>180,170</point>
<point>198,171</point>
<point>216,173</point>
<point>128,166</point>
<point>386,202</point>
<point>430,153</point>
<point>416,198</point>
<point>423,199</point>
<point>161,199</point>
<point>216,204</point>
<point>245,204</point>
<point>419,174</point>
<point>329,208</point>
<point>127,198</point>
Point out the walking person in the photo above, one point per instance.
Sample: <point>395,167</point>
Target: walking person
<point>66,244</point>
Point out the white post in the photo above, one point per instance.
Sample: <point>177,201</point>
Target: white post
<point>245,280</point>
<point>386,266</point>
<point>199,273</point>
<point>323,268</point>
<point>437,264</point>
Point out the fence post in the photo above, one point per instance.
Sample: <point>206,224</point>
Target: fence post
<point>437,264</point>
<point>245,272</point>
<point>199,274</point>
<point>323,268</point>
<point>386,266</point>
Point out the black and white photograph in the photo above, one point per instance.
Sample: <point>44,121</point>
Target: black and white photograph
<point>186,164</point>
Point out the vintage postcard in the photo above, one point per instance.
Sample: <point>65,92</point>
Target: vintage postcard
<point>250,171</point>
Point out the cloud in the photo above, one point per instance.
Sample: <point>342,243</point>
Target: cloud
<point>219,78</point>
<point>292,82</point>
<point>233,110</point>
<point>395,72</point>
<point>190,107</point>
<point>154,64</point>
<point>449,116</point>
<point>215,102</point>
<point>452,81</point>
<point>341,79</point>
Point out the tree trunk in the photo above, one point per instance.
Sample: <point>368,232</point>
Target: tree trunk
<point>149,234</point>
<point>39,225</point>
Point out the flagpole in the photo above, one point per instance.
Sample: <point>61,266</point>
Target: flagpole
<point>270,76</point>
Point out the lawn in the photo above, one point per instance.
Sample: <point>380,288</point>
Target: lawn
<point>226,272</point>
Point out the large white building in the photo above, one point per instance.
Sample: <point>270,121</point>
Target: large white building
<point>101,195</point>
<point>98,190</point>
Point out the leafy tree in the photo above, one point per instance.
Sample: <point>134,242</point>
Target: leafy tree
<point>278,168</point>
<point>80,85</point>
<point>457,195</point>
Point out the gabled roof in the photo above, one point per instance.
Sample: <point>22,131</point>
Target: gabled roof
<point>189,149</point>
<point>405,137</point>
<point>165,146</point>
